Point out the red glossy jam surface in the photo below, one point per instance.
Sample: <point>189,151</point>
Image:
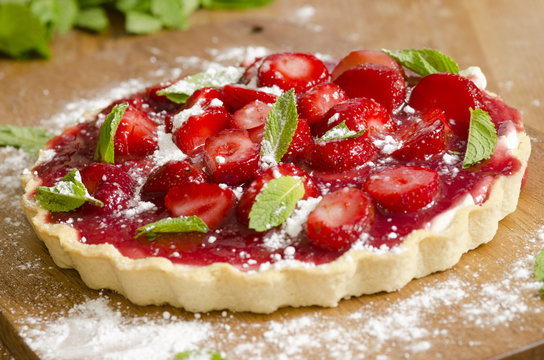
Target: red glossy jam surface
<point>233,242</point>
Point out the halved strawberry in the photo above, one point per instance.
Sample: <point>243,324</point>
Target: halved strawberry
<point>237,96</point>
<point>109,184</point>
<point>252,69</point>
<point>341,155</point>
<point>248,198</point>
<point>231,157</point>
<point>300,144</point>
<point>422,136</point>
<point>190,137</point>
<point>256,134</point>
<point>360,57</point>
<point>314,103</point>
<point>339,219</point>
<point>172,173</point>
<point>403,188</point>
<point>204,97</point>
<point>292,71</point>
<point>212,203</point>
<point>136,135</point>
<point>251,115</point>
<point>359,114</point>
<point>378,82</point>
<point>450,92</point>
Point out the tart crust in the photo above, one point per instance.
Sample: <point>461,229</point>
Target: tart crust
<point>222,286</point>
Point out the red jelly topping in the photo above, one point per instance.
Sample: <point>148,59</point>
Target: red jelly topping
<point>230,240</point>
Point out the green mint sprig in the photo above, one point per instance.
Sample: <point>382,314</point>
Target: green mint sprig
<point>275,202</point>
<point>65,195</point>
<point>233,4</point>
<point>341,132</point>
<point>180,91</point>
<point>280,127</point>
<point>482,138</point>
<point>105,150</point>
<point>25,138</point>
<point>172,225</point>
<point>424,61</point>
<point>198,355</point>
<point>539,269</point>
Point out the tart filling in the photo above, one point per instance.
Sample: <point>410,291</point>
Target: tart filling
<point>286,182</point>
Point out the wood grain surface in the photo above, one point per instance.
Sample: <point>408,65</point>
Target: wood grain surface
<point>503,37</point>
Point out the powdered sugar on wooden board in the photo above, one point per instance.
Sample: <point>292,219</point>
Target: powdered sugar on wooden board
<point>384,326</point>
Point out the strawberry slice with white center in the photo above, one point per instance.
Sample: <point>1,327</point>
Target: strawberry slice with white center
<point>360,57</point>
<point>314,103</point>
<point>136,135</point>
<point>210,202</point>
<point>172,173</point>
<point>192,134</point>
<point>403,188</point>
<point>378,82</point>
<point>237,97</point>
<point>359,114</point>
<point>339,219</point>
<point>231,157</point>
<point>292,71</point>
<point>251,192</point>
<point>251,115</point>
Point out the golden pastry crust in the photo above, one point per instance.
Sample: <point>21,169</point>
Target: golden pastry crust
<point>222,286</point>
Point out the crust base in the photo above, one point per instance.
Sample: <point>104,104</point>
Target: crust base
<point>222,286</point>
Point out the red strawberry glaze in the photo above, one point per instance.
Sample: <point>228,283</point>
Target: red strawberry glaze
<point>234,242</point>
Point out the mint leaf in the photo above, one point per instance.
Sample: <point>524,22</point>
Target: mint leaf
<point>67,12</point>
<point>539,266</point>
<point>141,23</point>
<point>280,127</point>
<point>482,138</point>
<point>275,202</point>
<point>29,139</point>
<point>424,61</point>
<point>198,355</point>
<point>105,148</point>
<point>65,195</point>
<point>21,32</point>
<point>234,4</point>
<point>172,225</point>
<point>341,132</point>
<point>92,19</point>
<point>180,91</point>
<point>170,12</point>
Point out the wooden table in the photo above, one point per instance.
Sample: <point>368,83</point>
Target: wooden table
<point>503,37</point>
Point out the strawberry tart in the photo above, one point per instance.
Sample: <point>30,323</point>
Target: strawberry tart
<point>286,181</point>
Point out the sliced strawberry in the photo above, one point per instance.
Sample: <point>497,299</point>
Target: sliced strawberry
<point>341,155</point>
<point>190,137</point>
<point>450,92</point>
<point>251,115</point>
<point>204,97</point>
<point>237,96</point>
<point>256,134</point>
<point>403,188</point>
<point>252,70</point>
<point>136,135</point>
<point>360,57</point>
<point>424,137</point>
<point>300,144</point>
<point>359,114</point>
<point>314,103</point>
<point>248,198</point>
<point>231,157</point>
<point>115,187</point>
<point>212,203</point>
<point>339,219</point>
<point>374,81</point>
<point>160,102</point>
<point>292,71</point>
<point>172,173</point>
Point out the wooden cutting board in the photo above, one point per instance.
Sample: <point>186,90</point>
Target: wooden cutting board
<point>487,306</point>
